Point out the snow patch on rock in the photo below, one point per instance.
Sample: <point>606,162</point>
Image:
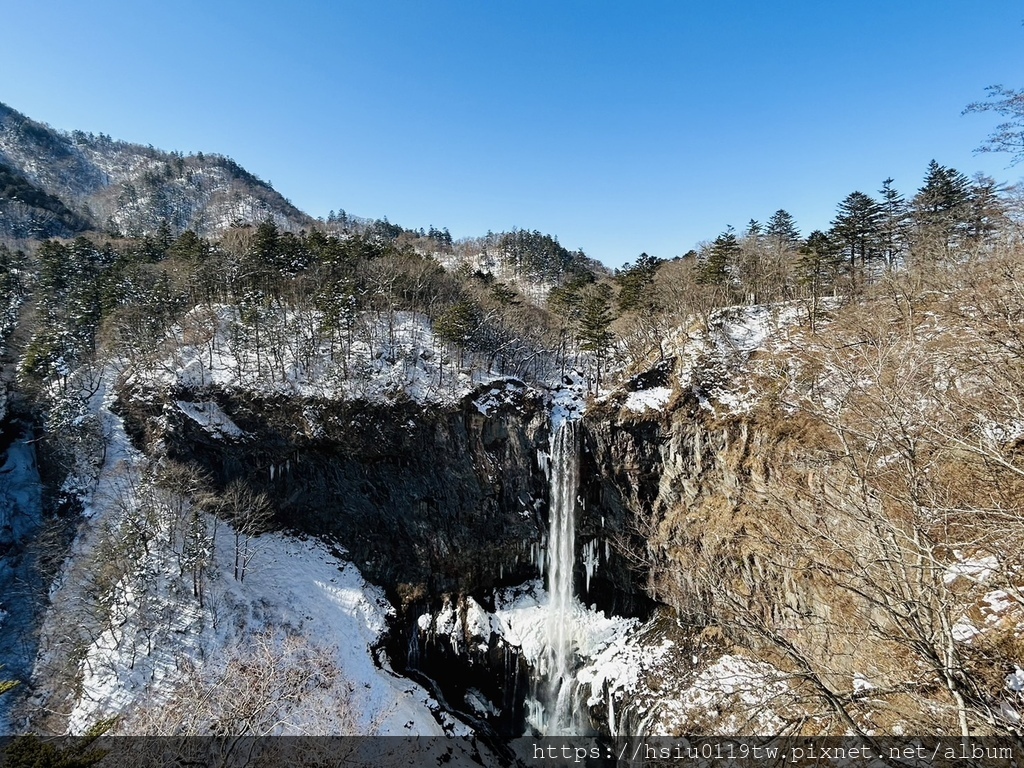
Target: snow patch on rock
<point>211,418</point>
<point>653,399</point>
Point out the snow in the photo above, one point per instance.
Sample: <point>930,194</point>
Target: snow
<point>295,589</point>
<point>612,658</point>
<point>211,418</point>
<point>963,631</point>
<point>569,399</point>
<point>1015,680</point>
<point>653,399</point>
<point>501,396</point>
<point>300,605</point>
<point>478,623</point>
<point>646,682</point>
<point>861,684</point>
<point>996,603</point>
<point>744,329</point>
<point>384,357</point>
<point>716,361</point>
<point>735,679</point>
<point>501,267</point>
<point>1002,434</point>
<point>522,616</point>
<point>977,569</point>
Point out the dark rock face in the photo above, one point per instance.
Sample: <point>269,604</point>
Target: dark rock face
<point>480,676</point>
<point>622,468</point>
<point>427,500</point>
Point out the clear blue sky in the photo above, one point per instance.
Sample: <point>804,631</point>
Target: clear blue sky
<point>618,127</point>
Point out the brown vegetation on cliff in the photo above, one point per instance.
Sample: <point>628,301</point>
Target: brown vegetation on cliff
<point>862,529</point>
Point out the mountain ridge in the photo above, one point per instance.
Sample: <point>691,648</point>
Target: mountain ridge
<point>59,184</point>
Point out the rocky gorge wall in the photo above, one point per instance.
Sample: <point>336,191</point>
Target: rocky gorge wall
<point>441,505</point>
<point>426,500</point>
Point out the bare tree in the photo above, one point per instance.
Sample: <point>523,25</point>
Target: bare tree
<point>249,514</point>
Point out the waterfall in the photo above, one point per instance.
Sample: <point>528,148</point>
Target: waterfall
<point>565,476</point>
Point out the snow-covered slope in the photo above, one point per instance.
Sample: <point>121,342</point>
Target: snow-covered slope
<point>176,623</point>
<point>128,188</point>
<point>381,359</point>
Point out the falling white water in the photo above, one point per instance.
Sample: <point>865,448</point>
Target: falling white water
<point>565,476</point>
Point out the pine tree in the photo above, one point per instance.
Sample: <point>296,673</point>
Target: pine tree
<point>458,325</point>
<point>782,239</point>
<point>633,279</point>
<point>720,259</point>
<point>986,208</point>
<point>941,208</point>
<point>817,268</point>
<point>857,229</point>
<point>781,230</point>
<point>190,247</point>
<point>594,321</point>
<point>892,228</point>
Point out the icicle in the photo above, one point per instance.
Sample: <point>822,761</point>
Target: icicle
<point>271,472</point>
<point>590,555</point>
<point>611,713</point>
<point>413,649</point>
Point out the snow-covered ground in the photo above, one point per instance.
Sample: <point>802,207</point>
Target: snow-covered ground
<point>500,267</point>
<point>139,644</point>
<point>716,362</point>
<point>641,677</point>
<point>300,610</point>
<point>653,399</point>
<point>382,358</point>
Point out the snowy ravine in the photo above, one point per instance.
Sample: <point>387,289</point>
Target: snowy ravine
<point>146,651</point>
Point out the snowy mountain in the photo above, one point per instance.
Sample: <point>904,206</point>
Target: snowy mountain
<point>59,184</point>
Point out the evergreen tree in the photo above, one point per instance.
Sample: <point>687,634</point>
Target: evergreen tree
<point>459,326</point>
<point>781,230</point>
<point>32,751</point>
<point>633,279</point>
<point>720,259</point>
<point>566,300</point>
<point>164,237</point>
<point>774,270</point>
<point>892,227</point>
<point>986,208</point>
<point>266,242</point>
<point>817,268</point>
<point>857,228</point>
<point>12,282</point>
<point>190,247</point>
<point>594,321</point>
<point>941,207</point>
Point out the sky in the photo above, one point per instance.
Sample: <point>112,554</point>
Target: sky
<point>620,128</point>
